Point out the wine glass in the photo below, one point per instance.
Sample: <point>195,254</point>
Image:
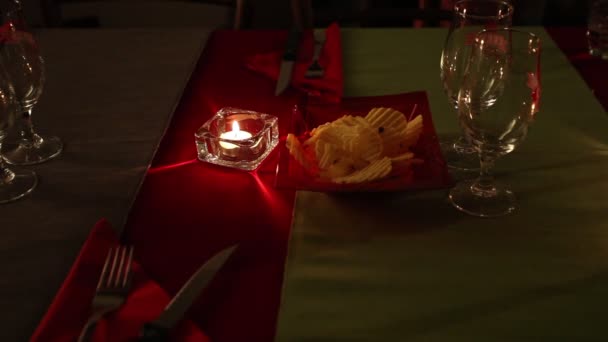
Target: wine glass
<point>13,184</point>
<point>470,17</point>
<point>25,68</point>
<point>498,99</point>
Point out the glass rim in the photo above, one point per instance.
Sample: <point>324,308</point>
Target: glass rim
<point>534,36</point>
<point>507,4</point>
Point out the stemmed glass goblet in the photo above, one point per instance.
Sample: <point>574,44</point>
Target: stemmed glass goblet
<point>13,184</point>
<point>25,68</point>
<point>470,17</point>
<point>498,100</point>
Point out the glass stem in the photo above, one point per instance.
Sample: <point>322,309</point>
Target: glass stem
<point>484,185</point>
<point>28,136</point>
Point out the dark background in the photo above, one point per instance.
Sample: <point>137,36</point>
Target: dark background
<point>263,14</point>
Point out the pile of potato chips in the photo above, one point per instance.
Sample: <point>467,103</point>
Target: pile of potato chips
<point>355,149</point>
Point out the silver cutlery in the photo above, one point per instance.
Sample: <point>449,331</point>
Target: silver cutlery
<point>315,70</point>
<point>112,288</point>
<point>158,330</point>
<point>289,59</point>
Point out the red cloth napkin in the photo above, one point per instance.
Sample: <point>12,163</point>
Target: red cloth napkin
<point>71,307</point>
<point>330,87</point>
<point>573,42</point>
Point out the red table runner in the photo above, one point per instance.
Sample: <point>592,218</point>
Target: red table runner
<point>187,210</point>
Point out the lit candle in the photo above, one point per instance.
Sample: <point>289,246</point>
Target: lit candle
<point>237,135</point>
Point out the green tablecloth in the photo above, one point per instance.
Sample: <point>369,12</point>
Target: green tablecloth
<point>409,267</point>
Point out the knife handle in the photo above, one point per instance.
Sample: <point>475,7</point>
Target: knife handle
<point>152,332</point>
<point>291,47</point>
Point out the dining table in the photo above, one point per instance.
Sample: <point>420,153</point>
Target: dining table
<point>311,265</point>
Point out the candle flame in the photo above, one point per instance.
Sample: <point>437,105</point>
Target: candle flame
<point>235,126</point>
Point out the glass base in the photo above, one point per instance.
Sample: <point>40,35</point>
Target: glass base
<point>460,156</point>
<point>16,184</point>
<point>38,152</point>
<point>498,202</point>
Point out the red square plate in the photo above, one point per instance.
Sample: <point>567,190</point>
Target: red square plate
<point>431,174</point>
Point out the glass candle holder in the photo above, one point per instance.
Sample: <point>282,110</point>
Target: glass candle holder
<point>237,138</point>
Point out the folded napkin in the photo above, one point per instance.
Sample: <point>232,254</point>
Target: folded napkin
<point>330,87</point>
<point>71,307</point>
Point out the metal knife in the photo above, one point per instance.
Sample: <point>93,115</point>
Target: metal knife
<point>289,59</point>
<point>158,330</point>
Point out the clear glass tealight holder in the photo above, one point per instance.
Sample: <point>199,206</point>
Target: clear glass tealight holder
<point>237,138</point>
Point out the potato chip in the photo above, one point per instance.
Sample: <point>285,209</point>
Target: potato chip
<point>332,131</point>
<point>299,154</point>
<point>402,157</point>
<point>343,166</point>
<point>404,161</point>
<point>326,153</point>
<point>375,170</point>
<point>391,125</point>
<point>350,135</point>
<point>381,118</point>
<point>403,166</point>
<point>367,145</point>
<point>413,132</point>
<point>355,149</point>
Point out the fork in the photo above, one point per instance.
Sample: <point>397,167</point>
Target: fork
<point>112,288</point>
<point>315,70</point>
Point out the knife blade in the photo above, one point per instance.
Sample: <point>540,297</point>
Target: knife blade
<point>288,61</point>
<point>158,330</point>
